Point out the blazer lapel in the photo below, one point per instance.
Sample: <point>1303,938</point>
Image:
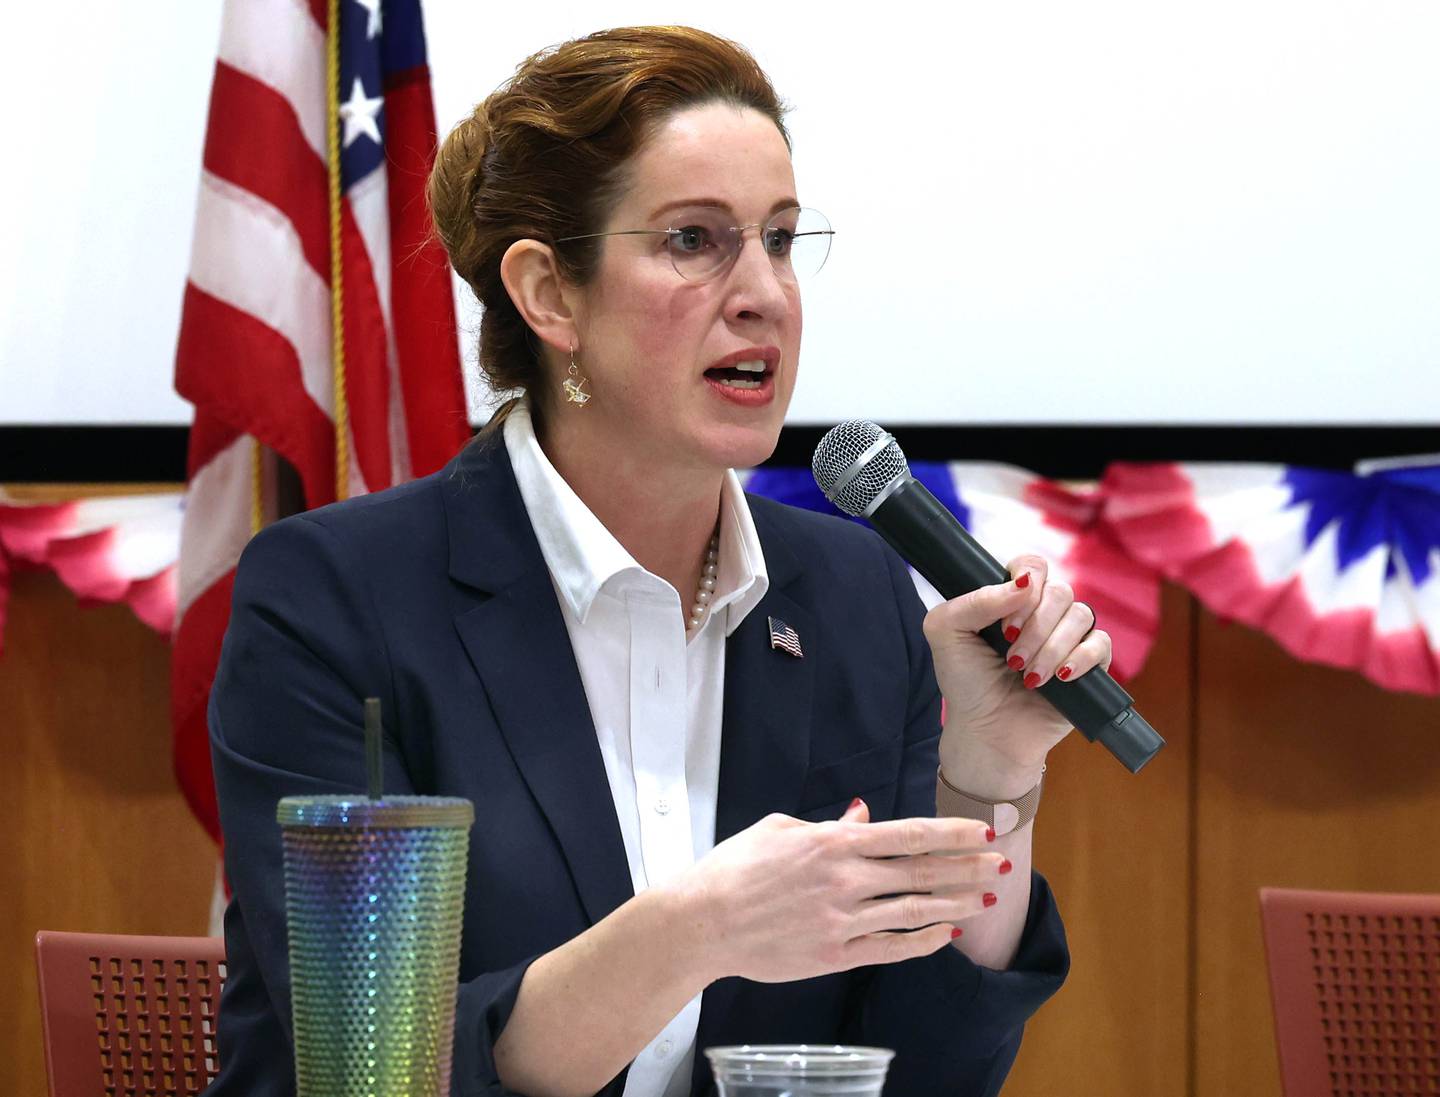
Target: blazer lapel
<point>517,641</point>
<point>765,742</point>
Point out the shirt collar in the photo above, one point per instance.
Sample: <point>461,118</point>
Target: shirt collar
<point>583,555</point>
<point>742,574</point>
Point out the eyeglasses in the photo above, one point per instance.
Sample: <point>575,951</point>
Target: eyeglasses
<point>702,246</point>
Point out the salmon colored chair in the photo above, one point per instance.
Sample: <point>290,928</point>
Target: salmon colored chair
<point>1355,985</point>
<point>129,1016</point>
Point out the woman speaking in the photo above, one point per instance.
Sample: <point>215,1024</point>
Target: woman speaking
<point>701,731</point>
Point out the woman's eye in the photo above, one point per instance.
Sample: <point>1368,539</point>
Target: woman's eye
<point>690,238</point>
<point>779,241</point>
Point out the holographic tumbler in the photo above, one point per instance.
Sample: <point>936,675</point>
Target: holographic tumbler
<point>799,1070</point>
<point>374,892</point>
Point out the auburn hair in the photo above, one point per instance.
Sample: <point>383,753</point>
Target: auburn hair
<point>545,157</point>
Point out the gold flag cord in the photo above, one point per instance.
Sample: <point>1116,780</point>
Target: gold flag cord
<point>257,487</point>
<point>337,304</point>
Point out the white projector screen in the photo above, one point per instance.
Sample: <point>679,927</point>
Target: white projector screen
<point>1048,212</point>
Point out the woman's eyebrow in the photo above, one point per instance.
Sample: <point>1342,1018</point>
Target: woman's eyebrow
<point>706,203</point>
<point>717,203</point>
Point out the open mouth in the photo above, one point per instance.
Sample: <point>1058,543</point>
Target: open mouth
<point>741,375</point>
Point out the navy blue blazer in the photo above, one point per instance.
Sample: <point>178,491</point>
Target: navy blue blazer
<point>435,598</point>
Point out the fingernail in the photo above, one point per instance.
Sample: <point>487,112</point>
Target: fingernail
<point>956,932</point>
<point>1032,680</point>
<point>855,803</point>
<point>1012,634</point>
<point>991,898</point>
<point>1005,866</point>
<point>989,834</point>
<point>1064,673</point>
<point>1023,580</point>
<point>1016,663</point>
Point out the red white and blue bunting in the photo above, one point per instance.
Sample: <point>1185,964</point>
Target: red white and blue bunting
<point>1339,568</point>
<point>113,549</point>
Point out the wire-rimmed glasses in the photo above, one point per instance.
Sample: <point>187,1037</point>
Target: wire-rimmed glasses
<point>703,245</point>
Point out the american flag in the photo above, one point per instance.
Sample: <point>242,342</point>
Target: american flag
<point>311,221</point>
<point>784,638</point>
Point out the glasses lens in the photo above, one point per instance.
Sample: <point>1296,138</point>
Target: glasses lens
<point>703,243</point>
<point>798,242</point>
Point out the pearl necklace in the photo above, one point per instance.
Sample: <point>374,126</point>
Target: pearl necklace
<point>706,591</point>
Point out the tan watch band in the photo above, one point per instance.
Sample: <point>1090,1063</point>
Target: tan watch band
<point>1004,815</point>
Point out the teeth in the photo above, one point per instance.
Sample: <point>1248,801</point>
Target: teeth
<point>751,367</point>
<point>738,384</point>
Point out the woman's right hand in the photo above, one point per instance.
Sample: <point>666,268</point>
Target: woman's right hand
<point>785,899</point>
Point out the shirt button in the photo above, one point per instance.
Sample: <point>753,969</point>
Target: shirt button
<point>662,806</point>
<point>663,1048</point>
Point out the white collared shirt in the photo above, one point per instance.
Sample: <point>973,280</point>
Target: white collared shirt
<point>655,699</point>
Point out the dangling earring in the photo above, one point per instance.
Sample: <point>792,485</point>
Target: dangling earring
<point>575,384</point>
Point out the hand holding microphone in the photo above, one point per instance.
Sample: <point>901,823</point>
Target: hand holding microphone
<point>861,469</point>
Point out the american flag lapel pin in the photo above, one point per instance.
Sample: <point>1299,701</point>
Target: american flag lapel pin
<point>785,638</point>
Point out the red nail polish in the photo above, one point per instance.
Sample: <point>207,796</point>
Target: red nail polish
<point>1032,680</point>
<point>1016,663</point>
<point>956,932</point>
<point>1064,673</point>
<point>989,834</point>
<point>991,899</point>
<point>1023,580</point>
<point>1005,866</point>
<point>1012,634</point>
<point>855,803</point>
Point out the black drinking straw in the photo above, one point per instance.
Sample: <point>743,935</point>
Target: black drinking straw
<point>373,767</point>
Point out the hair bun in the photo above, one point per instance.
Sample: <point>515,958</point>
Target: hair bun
<point>454,181</point>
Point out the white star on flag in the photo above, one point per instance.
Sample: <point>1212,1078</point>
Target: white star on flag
<point>373,7</point>
<point>359,115</point>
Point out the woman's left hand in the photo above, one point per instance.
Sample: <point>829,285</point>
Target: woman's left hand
<point>1050,634</point>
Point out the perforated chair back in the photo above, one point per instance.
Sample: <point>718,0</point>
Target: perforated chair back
<point>129,1016</point>
<point>1355,985</point>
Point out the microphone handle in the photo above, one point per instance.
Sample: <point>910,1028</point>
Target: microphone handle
<point>924,532</point>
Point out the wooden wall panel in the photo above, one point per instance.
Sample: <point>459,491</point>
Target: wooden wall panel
<point>1115,847</point>
<point>93,832</point>
<point>1306,777</point>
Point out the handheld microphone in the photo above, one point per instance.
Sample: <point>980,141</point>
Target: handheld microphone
<point>861,470</point>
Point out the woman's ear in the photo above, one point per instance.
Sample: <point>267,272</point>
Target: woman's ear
<point>532,279</point>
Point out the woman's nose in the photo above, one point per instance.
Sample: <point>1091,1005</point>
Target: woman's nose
<point>755,283</point>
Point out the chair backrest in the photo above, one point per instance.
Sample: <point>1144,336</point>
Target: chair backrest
<point>1355,985</point>
<point>129,1016</point>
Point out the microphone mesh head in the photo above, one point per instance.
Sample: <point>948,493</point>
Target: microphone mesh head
<point>835,459</point>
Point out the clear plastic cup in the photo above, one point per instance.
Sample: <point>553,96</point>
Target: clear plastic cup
<point>799,1070</point>
<point>374,895</point>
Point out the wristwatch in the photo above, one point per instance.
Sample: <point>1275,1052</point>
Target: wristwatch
<point>1004,815</point>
